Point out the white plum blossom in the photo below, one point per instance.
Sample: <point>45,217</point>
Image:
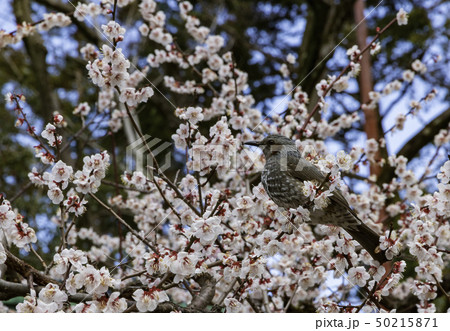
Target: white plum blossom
<point>375,48</point>
<point>7,216</point>
<point>244,203</point>
<point>372,147</point>
<point>252,267</point>
<point>13,228</point>
<point>284,70</point>
<point>156,264</point>
<point>344,160</point>
<point>61,173</point>
<point>55,194</point>
<point>377,272</point>
<point>321,88</point>
<point>89,53</point>
<point>52,20</point>
<point>408,75</point>
<point>419,66</point>
<point>2,257</point>
<point>194,114</point>
<point>158,35</point>
<point>133,97</point>
<point>214,43</point>
<point>183,266</point>
<point>21,234</point>
<point>51,293</point>
<point>82,10</point>
<point>90,278</point>
<point>424,291</point>
<point>50,135</point>
<point>116,304</point>
<point>402,17</point>
<point>89,179</point>
<point>149,300</point>
<point>390,245</point>
<point>400,121</point>
<point>113,30</point>
<point>74,204</point>
<point>207,230</point>
<point>75,258</point>
<point>358,276</point>
<point>82,109</point>
<point>33,305</point>
<point>354,53</point>
<point>302,214</point>
<point>233,305</point>
<point>344,245</point>
<point>290,58</point>
<point>147,8</point>
<point>341,84</point>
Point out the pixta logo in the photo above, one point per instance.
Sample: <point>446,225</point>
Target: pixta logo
<point>139,157</point>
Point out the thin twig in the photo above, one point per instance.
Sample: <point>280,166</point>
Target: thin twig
<point>30,282</point>
<point>62,227</point>
<point>217,206</point>
<point>370,296</point>
<point>137,274</point>
<point>211,174</point>
<point>167,202</point>
<point>123,187</point>
<point>225,293</point>
<point>116,174</point>
<point>441,288</point>
<point>70,226</point>
<point>38,256</point>
<point>134,232</point>
<point>252,304</point>
<point>199,188</point>
<point>290,299</point>
<point>266,301</point>
<point>316,107</point>
<point>188,288</point>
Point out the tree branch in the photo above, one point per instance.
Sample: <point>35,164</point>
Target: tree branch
<point>206,295</point>
<point>10,290</point>
<point>412,147</point>
<point>25,270</point>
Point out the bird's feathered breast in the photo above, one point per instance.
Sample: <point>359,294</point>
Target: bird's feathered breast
<point>283,178</point>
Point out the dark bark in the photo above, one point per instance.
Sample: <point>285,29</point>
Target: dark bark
<point>26,270</point>
<point>206,295</point>
<point>324,22</point>
<point>372,124</point>
<point>37,53</point>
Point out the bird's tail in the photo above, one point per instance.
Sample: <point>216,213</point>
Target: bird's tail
<point>368,239</point>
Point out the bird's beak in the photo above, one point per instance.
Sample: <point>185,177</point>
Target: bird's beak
<point>252,143</point>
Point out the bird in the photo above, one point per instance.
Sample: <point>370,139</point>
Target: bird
<point>283,177</point>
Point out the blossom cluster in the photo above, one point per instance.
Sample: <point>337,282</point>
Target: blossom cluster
<point>50,20</point>
<point>15,229</point>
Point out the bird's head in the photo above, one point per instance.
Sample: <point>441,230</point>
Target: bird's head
<point>273,144</point>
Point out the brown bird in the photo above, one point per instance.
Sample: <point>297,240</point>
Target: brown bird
<point>283,176</point>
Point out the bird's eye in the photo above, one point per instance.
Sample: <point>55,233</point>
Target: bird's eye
<point>270,142</point>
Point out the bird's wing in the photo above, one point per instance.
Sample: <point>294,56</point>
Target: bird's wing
<point>304,170</point>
